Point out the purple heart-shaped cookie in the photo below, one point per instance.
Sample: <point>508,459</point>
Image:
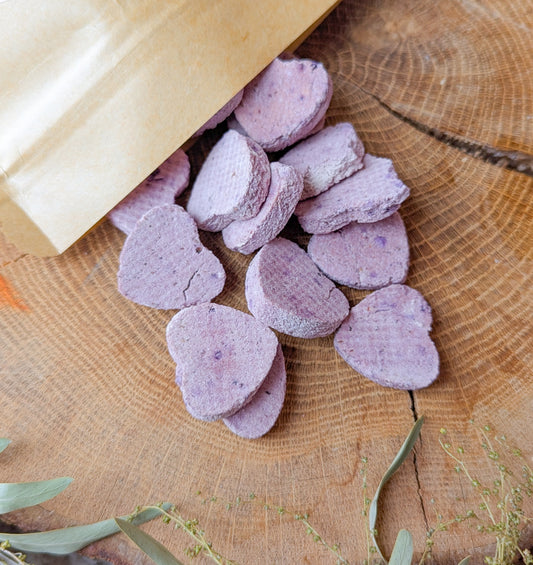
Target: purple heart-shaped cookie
<point>223,355</point>
<point>163,263</point>
<point>232,183</point>
<point>246,236</point>
<point>285,290</point>
<point>366,256</point>
<point>162,187</point>
<point>367,196</point>
<point>386,339</point>
<point>326,158</point>
<point>285,103</point>
<point>257,417</point>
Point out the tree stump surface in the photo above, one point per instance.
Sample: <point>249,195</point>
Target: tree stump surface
<point>87,384</point>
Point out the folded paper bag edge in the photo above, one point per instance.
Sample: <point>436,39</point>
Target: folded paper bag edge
<point>22,232</point>
<point>52,218</point>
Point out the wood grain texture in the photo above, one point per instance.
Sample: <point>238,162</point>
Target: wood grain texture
<point>88,383</point>
<point>457,69</point>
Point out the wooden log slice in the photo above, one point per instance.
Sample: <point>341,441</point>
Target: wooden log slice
<point>87,385</point>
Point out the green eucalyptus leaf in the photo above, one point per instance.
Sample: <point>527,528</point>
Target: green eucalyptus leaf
<point>155,550</point>
<point>20,495</point>
<point>408,444</point>
<point>465,561</point>
<point>67,540</point>
<point>4,442</point>
<point>402,553</point>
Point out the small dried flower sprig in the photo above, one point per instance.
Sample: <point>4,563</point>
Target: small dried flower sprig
<point>501,501</point>
<point>500,513</point>
<point>441,526</point>
<point>9,557</point>
<point>301,517</point>
<point>192,528</point>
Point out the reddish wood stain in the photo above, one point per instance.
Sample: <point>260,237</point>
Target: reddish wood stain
<point>8,296</point>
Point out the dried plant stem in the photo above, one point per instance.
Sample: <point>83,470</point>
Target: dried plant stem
<point>202,545</point>
<point>303,518</point>
<point>502,502</point>
<point>474,482</point>
<point>334,549</point>
<point>9,558</point>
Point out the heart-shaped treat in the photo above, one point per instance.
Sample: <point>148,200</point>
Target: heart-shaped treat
<point>285,102</point>
<point>366,256</point>
<point>369,195</point>
<point>246,236</point>
<point>163,263</point>
<point>162,187</point>
<point>260,414</point>
<point>386,339</point>
<point>232,183</point>
<point>285,290</point>
<point>326,158</point>
<point>223,355</point>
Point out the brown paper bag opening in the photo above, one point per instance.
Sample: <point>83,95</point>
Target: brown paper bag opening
<point>94,95</point>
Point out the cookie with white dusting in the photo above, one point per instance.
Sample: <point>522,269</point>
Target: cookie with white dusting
<point>285,102</point>
<point>163,263</point>
<point>223,355</point>
<point>326,158</point>
<point>369,195</point>
<point>232,183</point>
<point>365,256</point>
<point>285,290</point>
<point>246,236</point>
<point>260,414</point>
<point>162,187</point>
<point>386,339</point>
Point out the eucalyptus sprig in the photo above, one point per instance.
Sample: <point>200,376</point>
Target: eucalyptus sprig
<point>500,513</point>
<point>403,540</point>
<point>14,496</point>
<point>402,553</point>
<point>155,550</point>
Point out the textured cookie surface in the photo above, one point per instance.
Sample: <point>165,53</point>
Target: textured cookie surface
<point>285,102</point>
<point>386,339</point>
<point>162,187</point>
<point>246,236</point>
<point>326,158</point>
<point>223,355</point>
<point>369,195</point>
<point>163,263</point>
<point>285,290</point>
<point>232,183</point>
<point>260,414</point>
<point>365,256</point>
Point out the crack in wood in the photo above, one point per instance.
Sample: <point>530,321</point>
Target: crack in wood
<point>419,488</point>
<point>413,406</point>
<point>415,463</point>
<point>513,160</point>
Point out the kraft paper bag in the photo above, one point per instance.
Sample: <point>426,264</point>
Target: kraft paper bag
<point>95,94</point>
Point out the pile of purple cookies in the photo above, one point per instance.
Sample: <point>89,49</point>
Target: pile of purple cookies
<point>229,364</point>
